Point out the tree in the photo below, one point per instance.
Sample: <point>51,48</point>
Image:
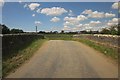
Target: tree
<point>62,31</point>
<point>42,32</point>
<point>118,29</point>
<point>114,30</point>
<point>16,31</point>
<point>105,31</point>
<point>5,29</point>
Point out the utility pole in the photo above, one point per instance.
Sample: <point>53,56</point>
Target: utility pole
<point>36,29</point>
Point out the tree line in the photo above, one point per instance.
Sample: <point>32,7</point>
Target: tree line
<point>113,30</point>
<point>6,30</point>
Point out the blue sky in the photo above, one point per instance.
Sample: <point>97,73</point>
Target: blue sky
<point>68,16</point>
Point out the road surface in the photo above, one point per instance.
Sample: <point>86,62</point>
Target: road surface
<point>66,59</point>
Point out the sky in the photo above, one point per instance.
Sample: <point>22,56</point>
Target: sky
<point>57,16</point>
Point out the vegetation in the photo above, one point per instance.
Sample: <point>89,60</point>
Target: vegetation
<point>111,52</point>
<point>6,30</point>
<point>15,61</point>
<point>113,30</point>
<point>13,31</point>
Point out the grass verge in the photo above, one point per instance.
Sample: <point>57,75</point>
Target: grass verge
<point>14,62</point>
<point>111,52</point>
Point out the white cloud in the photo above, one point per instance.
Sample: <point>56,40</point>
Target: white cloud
<point>38,10</point>
<point>87,11</point>
<point>74,20</point>
<point>54,11</point>
<point>81,17</point>
<point>33,15</point>
<point>70,13</point>
<point>96,14</point>
<point>68,23</point>
<point>33,6</point>
<point>55,19</point>
<point>115,5</point>
<point>71,20</point>
<point>38,23</point>
<point>79,25</point>
<point>94,23</point>
<point>109,15</point>
<point>66,28</point>
<point>112,22</point>
<point>25,5</point>
<point>2,3</point>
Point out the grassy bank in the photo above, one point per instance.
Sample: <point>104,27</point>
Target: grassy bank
<point>12,63</point>
<point>110,52</point>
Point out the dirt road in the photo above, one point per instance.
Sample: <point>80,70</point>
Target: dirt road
<point>66,59</point>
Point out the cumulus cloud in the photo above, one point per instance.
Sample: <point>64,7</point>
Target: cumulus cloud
<point>109,15</point>
<point>74,20</point>
<point>96,14</point>
<point>112,22</point>
<point>33,6</point>
<point>55,19</point>
<point>66,28</point>
<point>89,11</point>
<point>54,11</point>
<point>33,15</point>
<point>38,10</point>
<point>94,23</point>
<point>115,5</point>
<point>38,23</point>
<point>81,17</point>
<point>71,20</point>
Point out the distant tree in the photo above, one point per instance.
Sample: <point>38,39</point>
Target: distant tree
<point>72,32</point>
<point>13,31</point>
<point>42,32</point>
<point>62,31</point>
<point>118,29</point>
<point>55,32</point>
<point>83,32</point>
<point>114,30</point>
<point>105,31</point>
<point>5,29</point>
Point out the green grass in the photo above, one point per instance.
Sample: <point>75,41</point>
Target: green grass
<point>111,52</point>
<point>12,63</point>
